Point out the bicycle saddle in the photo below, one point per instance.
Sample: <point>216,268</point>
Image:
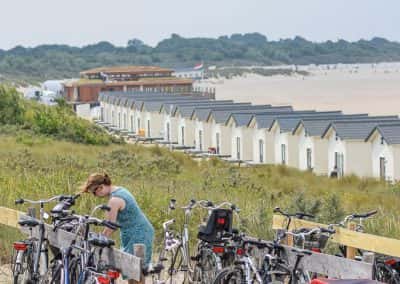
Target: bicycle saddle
<point>99,240</point>
<point>28,223</point>
<point>301,252</point>
<point>153,270</point>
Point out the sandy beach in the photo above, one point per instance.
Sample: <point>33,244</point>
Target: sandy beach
<point>363,88</point>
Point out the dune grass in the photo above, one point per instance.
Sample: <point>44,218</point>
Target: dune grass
<point>35,167</point>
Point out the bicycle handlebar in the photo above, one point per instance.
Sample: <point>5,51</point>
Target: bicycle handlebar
<point>355,216</point>
<point>206,204</point>
<point>299,215</point>
<point>22,201</point>
<point>111,225</point>
<point>167,224</point>
<point>365,215</point>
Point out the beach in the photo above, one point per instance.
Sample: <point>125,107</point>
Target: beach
<point>363,88</point>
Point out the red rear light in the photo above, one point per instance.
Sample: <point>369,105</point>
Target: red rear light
<point>20,246</point>
<point>390,261</point>
<point>318,281</point>
<point>218,249</point>
<point>221,221</point>
<point>113,274</point>
<point>240,251</point>
<point>316,250</point>
<point>103,280</point>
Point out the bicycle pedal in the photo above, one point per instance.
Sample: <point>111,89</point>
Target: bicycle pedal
<point>164,259</point>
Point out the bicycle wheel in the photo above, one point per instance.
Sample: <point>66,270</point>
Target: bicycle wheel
<point>229,276</point>
<point>177,271</point>
<point>23,267</point>
<point>385,274</point>
<point>74,270</point>
<point>206,268</point>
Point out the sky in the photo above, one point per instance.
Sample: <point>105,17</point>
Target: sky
<point>81,22</point>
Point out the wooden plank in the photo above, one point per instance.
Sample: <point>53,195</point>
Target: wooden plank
<point>332,266</point>
<point>10,217</point>
<point>346,237</point>
<point>129,264</point>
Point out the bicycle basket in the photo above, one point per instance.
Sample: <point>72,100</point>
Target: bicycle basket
<point>313,241</point>
<point>219,223</point>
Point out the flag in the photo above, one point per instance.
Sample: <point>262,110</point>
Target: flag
<point>198,66</point>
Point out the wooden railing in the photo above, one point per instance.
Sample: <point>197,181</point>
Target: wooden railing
<point>330,265</point>
<point>129,265</point>
<point>346,237</point>
<point>339,267</point>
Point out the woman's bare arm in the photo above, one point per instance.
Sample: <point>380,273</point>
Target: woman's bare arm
<point>116,204</point>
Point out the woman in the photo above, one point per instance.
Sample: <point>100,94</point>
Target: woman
<point>135,227</point>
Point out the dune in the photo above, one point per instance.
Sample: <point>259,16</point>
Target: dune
<point>373,89</point>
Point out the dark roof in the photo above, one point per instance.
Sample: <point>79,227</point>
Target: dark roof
<point>315,127</point>
<point>156,103</point>
<point>177,105</point>
<point>203,113</point>
<point>222,116</point>
<point>265,120</point>
<point>188,111</point>
<point>390,133</point>
<point>287,124</point>
<point>357,129</point>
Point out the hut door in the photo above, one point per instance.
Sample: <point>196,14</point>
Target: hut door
<point>283,153</point>
<point>238,148</point>
<point>168,134</point>
<point>309,164</point>
<point>217,142</point>
<point>382,168</point>
<point>183,135</point>
<point>261,150</point>
<point>200,140</point>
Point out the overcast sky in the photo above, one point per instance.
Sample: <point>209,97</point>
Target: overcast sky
<point>81,22</point>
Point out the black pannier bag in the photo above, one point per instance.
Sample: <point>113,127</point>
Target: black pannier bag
<point>218,224</point>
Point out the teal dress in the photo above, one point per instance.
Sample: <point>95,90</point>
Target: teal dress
<point>135,227</point>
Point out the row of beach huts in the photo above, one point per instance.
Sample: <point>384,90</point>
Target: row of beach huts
<point>327,143</point>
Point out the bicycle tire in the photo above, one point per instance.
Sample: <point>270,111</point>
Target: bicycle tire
<point>176,266</point>
<point>385,274</point>
<point>22,272</point>
<point>229,276</point>
<point>206,267</point>
<point>74,270</point>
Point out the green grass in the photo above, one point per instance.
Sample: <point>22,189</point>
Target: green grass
<point>36,167</point>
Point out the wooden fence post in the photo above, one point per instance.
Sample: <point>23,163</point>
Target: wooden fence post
<point>139,250</point>
<point>290,240</point>
<point>31,212</point>
<point>351,251</point>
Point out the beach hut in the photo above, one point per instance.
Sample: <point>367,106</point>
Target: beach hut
<point>385,143</point>
<point>312,148</point>
<point>348,153</point>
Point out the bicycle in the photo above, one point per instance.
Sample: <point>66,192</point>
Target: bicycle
<point>71,268</point>
<point>170,245</point>
<point>213,251</point>
<point>359,228</point>
<point>274,267</point>
<point>30,260</point>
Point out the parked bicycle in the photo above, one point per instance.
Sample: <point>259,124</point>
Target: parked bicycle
<point>30,258</point>
<point>72,267</point>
